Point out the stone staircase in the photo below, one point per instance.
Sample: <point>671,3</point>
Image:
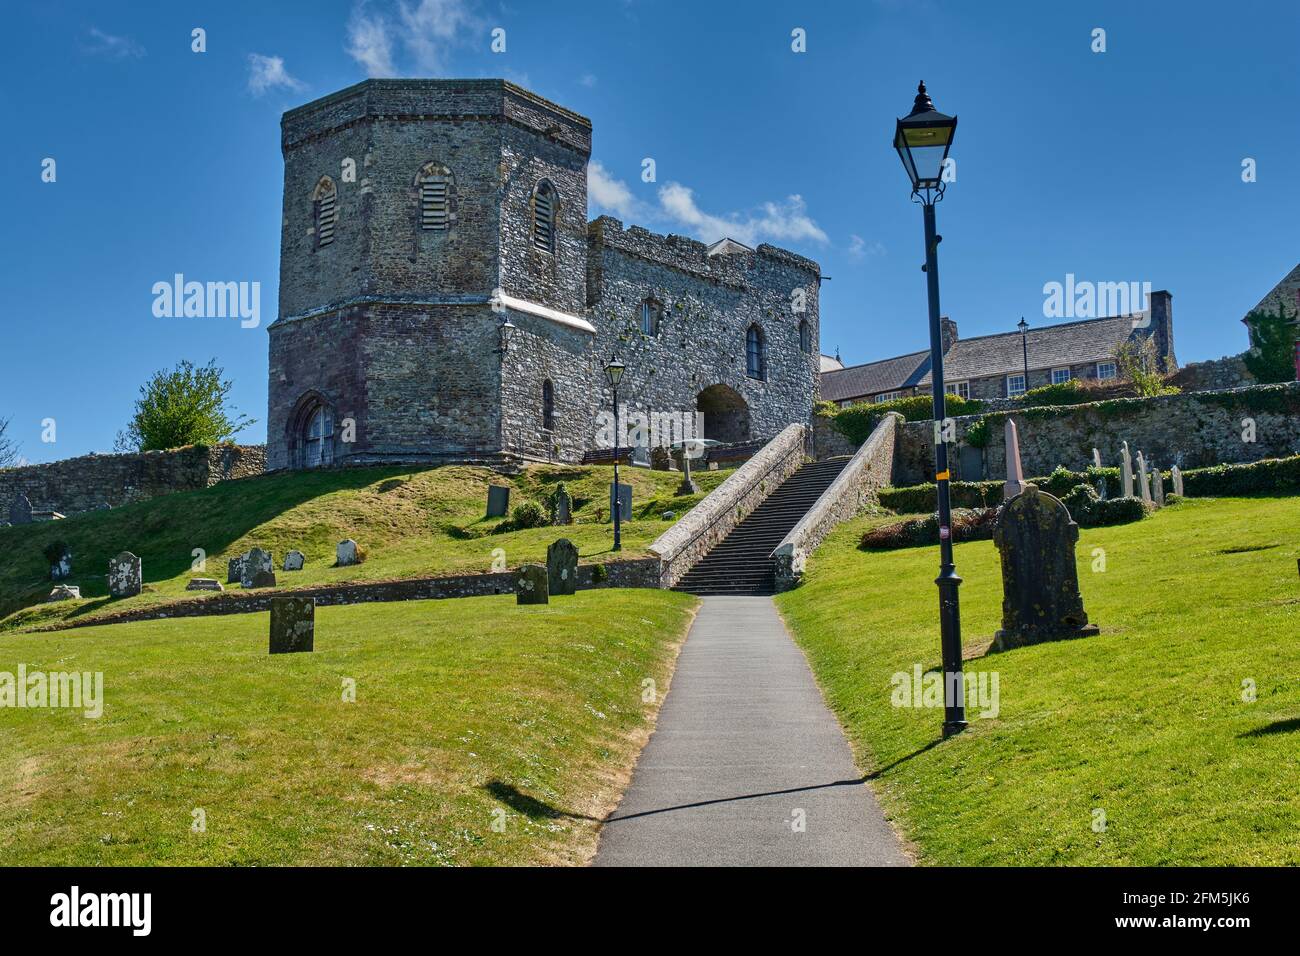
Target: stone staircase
<point>739,563</point>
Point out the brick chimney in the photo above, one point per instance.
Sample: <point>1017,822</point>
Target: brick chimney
<point>1162,330</point>
<point>948,332</point>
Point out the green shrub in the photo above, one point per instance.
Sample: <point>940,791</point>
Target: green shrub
<point>920,499</point>
<point>1271,476</point>
<point>1070,392</point>
<point>977,436</point>
<point>528,514</point>
<point>967,525</point>
<point>599,573</point>
<point>1080,500</point>
<point>1118,511</point>
<point>858,421</point>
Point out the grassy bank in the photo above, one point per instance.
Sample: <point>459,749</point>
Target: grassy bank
<point>1145,723</point>
<point>467,713</point>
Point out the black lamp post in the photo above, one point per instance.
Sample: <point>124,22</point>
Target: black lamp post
<point>1023,326</point>
<point>613,375</point>
<point>922,139</point>
<point>505,332</point>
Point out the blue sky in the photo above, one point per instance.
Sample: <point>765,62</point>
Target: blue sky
<point>1115,166</point>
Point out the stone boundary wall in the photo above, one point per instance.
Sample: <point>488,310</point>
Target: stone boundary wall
<point>1191,430</point>
<point>691,538</point>
<point>635,573</point>
<point>1213,375</point>
<point>75,485</point>
<point>854,489</point>
<point>828,441</point>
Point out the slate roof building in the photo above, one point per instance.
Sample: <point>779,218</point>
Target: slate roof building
<point>993,366</point>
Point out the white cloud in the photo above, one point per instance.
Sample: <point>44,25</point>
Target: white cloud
<point>587,79</point>
<point>859,248</point>
<point>114,47</point>
<point>610,194</point>
<point>431,28</point>
<point>370,42</point>
<point>786,221</point>
<point>268,72</point>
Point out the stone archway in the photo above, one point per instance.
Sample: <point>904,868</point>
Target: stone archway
<point>726,414</point>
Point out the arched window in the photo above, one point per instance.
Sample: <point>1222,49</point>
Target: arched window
<point>805,336</point>
<point>437,197</point>
<point>318,438</point>
<point>544,203</point>
<point>755,353</point>
<point>548,405</point>
<point>325,210</point>
<point>650,314</point>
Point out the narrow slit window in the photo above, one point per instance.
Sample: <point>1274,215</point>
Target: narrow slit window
<point>326,211</point>
<point>544,217</point>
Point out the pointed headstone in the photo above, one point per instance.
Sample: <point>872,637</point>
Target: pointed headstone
<point>1096,458</point>
<point>1158,484</point>
<point>1015,483</point>
<point>1177,476</point>
<point>1126,471</point>
<point>1144,480</point>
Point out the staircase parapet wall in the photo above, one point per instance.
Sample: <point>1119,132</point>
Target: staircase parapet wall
<point>691,538</point>
<point>854,489</point>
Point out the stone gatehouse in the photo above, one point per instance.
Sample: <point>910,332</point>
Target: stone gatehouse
<point>421,214</point>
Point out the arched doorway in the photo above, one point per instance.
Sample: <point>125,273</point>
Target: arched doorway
<point>726,416</point>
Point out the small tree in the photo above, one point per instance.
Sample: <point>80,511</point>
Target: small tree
<point>1135,362</point>
<point>187,405</point>
<point>8,447</point>
<point>1271,356</point>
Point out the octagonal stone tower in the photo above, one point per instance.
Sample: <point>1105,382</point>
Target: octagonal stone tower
<point>407,205</point>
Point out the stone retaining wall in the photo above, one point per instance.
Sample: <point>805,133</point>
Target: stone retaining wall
<point>1191,430</point>
<point>635,573</point>
<point>853,490</point>
<point>726,506</point>
<point>82,484</point>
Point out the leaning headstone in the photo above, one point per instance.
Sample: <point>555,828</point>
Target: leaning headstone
<point>125,575</point>
<point>498,501</point>
<point>204,584</point>
<point>1126,471</point>
<point>1096,458</point>
<point>562,567</point>
<point>294,560</point>
<point>1144,479</point>
<point>1177,476</point>
<point>662,459</point>
<point>235,569</point>
<point>1015,483</point>
<point>293,625</point>
<point>347,553</point>
<point>531,585</point>
<point>1158,485</point>
<point>255,562</point>
<point>63,592</point>
<point>1040,581</point>
<point>20,512</point>
<point>624,502</point>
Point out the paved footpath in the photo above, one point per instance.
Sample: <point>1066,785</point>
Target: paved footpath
<point>744,750</point>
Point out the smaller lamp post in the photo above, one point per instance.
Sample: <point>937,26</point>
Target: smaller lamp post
<point>613,375</point>
<point>1023,326</point>
<point>505,332</point>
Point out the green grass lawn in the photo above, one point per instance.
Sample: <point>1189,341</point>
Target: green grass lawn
<point>413,523</point>
<point>1146,722</point>
<point>464,709</point>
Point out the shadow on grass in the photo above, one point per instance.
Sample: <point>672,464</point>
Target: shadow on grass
<point>530,807</point>
<point>1290,725</point>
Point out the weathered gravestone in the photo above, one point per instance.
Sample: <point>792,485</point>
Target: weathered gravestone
<point>20,512</point>
<point>294,560</point>
<point>263,579</point>
<point>60,559</point>
<point>1144,480</point>
<point>63,592</point>
<point>971,462</point>
<point>684,457</point>
<point>624,502</point>
<point>1126,471</point>
<point>204,584</point>
<point>125,575</point>
<point>662,459</point>
<point>562,567</point>
<point>498,501</point>
<point>235,569</point>
<point>347,553</point>
<point>293,625</point>
<point>1177,476</point>
<point>1158,485</point>
<point>255,562</point>
<point>1040,582</point>
<point>531,586</point>
<point>561,506</point>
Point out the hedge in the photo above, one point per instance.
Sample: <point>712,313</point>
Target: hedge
<point>967,525</point>
<point>858,421</point>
